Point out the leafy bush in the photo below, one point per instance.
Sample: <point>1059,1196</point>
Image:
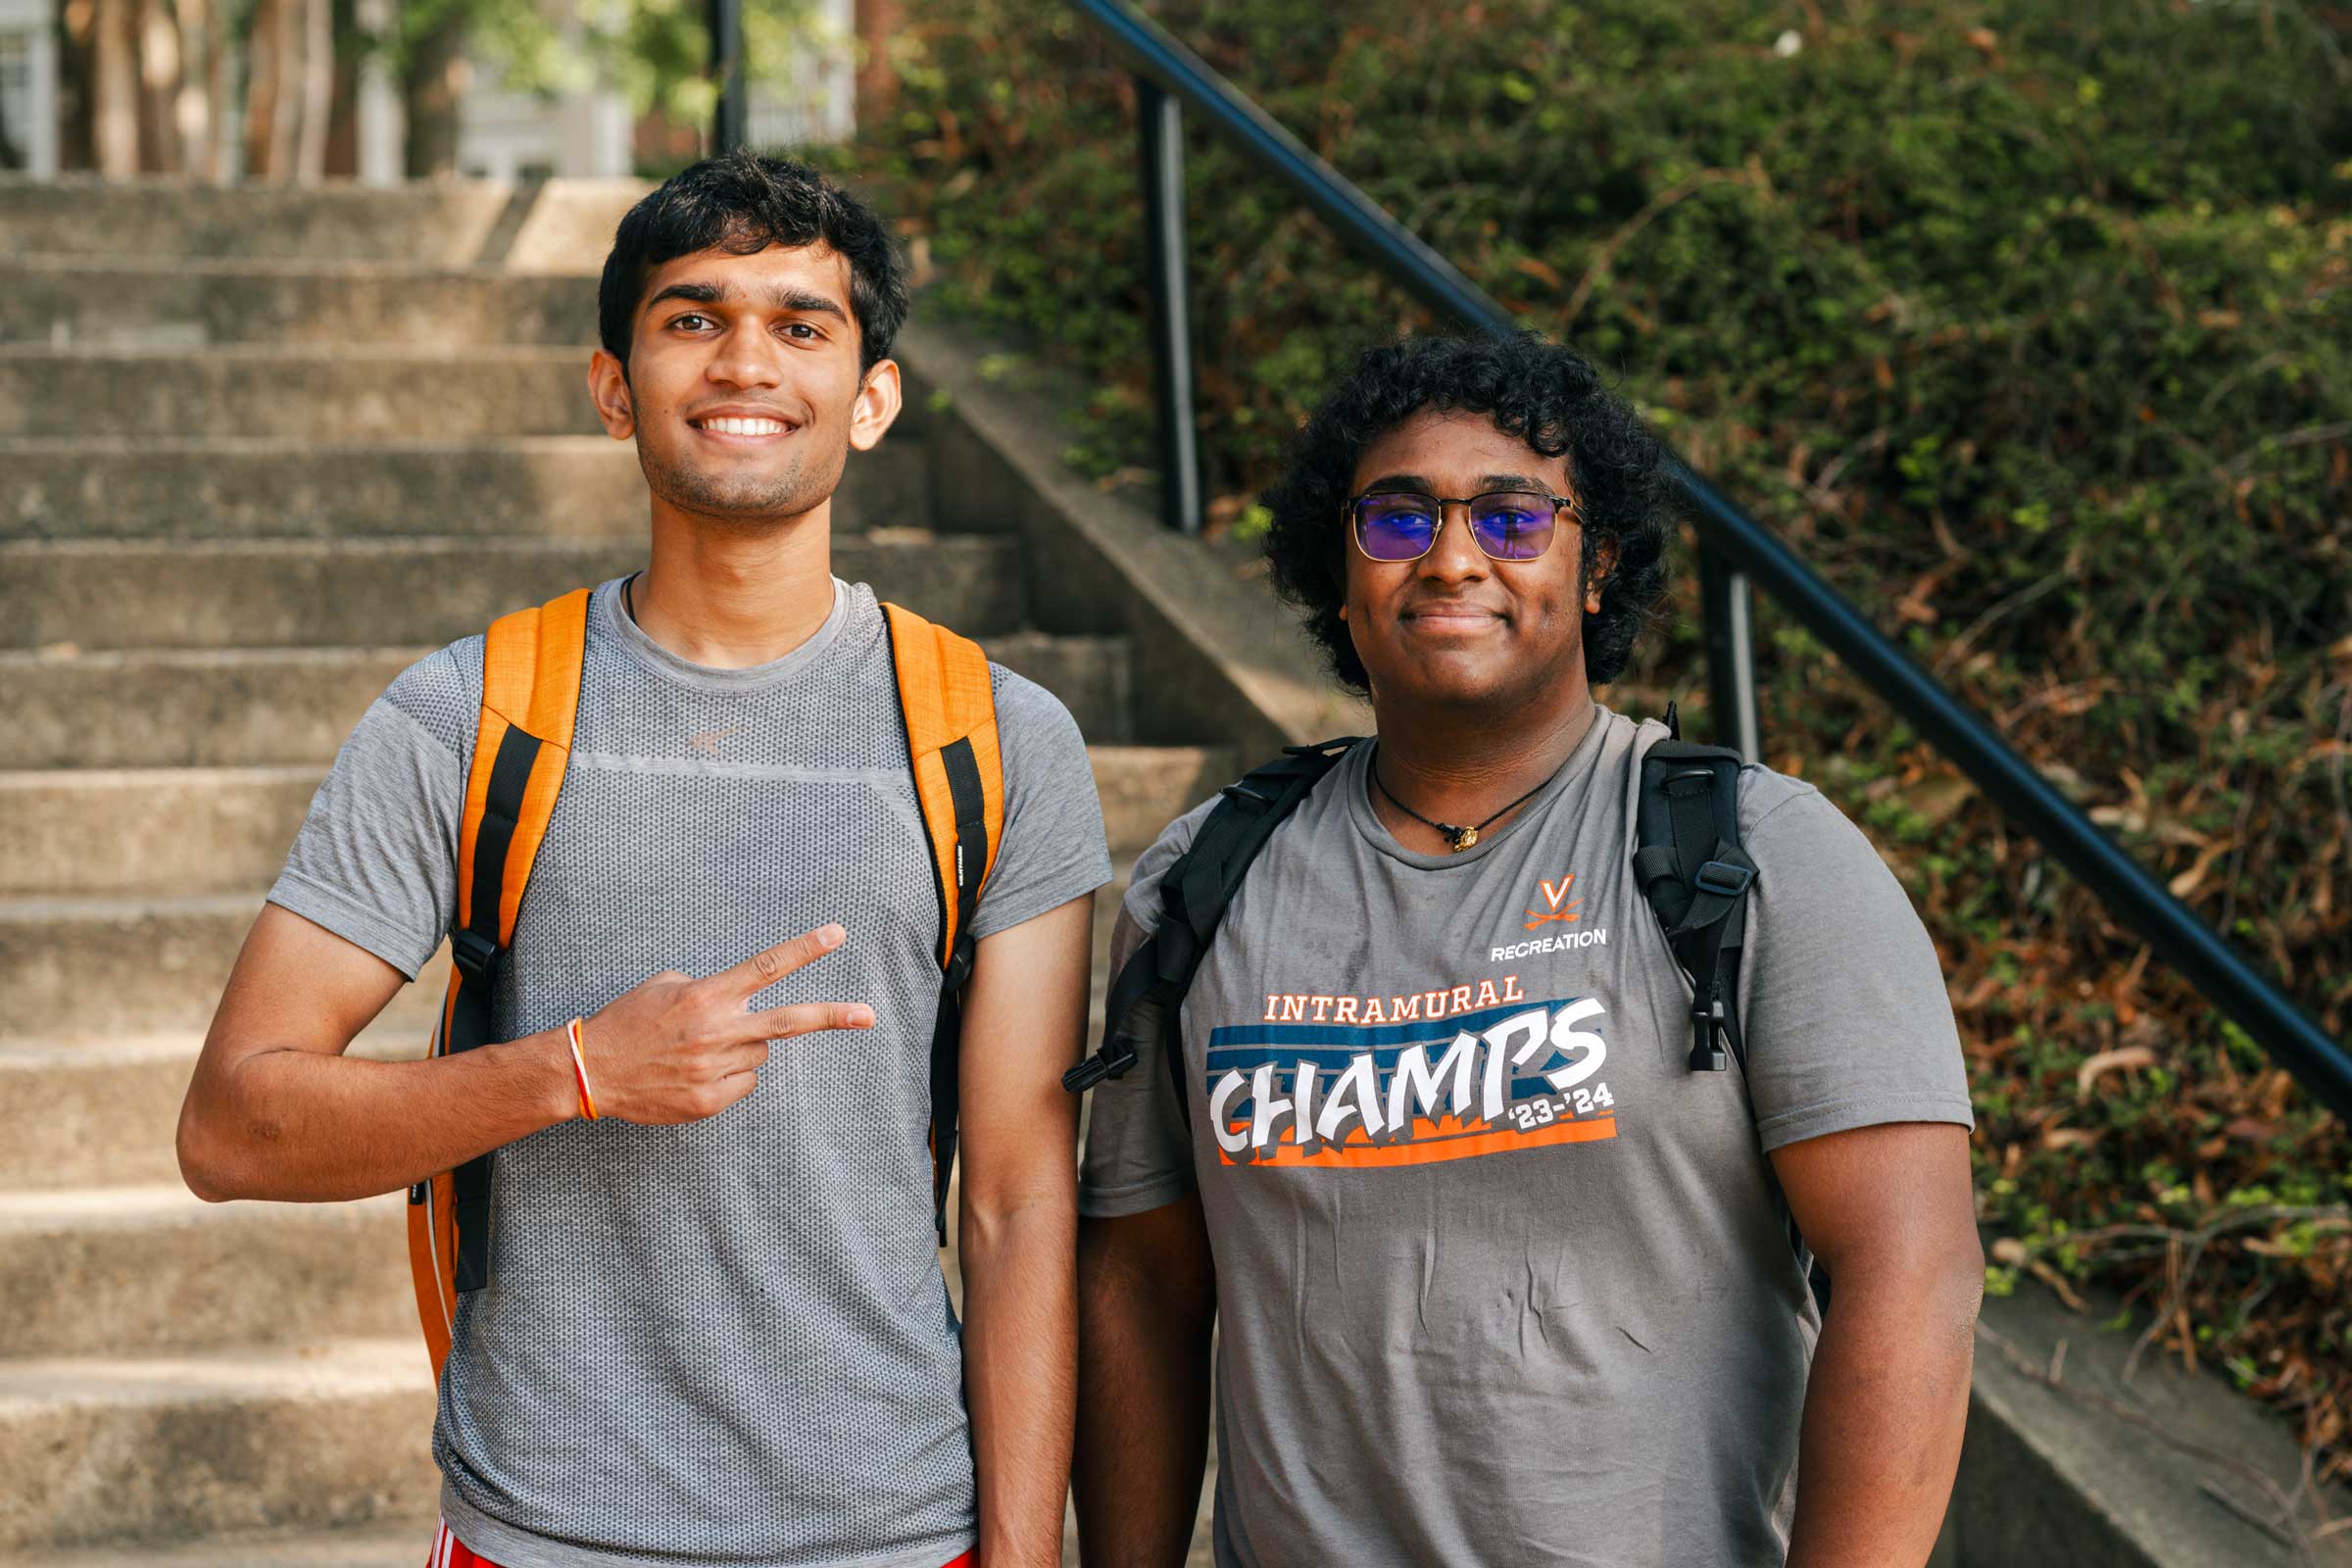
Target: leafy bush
<point>2029,323</point>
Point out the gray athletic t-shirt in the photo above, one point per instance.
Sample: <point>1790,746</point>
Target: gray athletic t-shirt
<point>726,1342</point>
<point>1500,1279</point>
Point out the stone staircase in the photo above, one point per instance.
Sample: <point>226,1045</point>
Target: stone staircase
<point>243,436</point>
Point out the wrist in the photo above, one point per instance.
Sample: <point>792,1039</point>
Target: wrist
<point>555,1087</point>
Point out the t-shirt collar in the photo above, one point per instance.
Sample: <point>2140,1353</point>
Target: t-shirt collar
<point>613,621</point>
<point>1355,786</point>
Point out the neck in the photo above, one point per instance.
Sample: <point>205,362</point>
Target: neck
<point>1461,767</point>
<point>727,594</point>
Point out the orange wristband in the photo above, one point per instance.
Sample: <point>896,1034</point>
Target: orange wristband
<point>579,1068</point>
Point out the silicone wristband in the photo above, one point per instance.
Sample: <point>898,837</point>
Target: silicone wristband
<point>579,1068</point>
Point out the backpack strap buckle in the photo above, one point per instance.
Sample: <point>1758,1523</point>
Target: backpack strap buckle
<point>1109,1063</point>
<point>1723,879</point>
<point>475,954</point>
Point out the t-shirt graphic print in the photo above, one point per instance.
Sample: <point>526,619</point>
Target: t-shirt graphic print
<point>1500,1278</point>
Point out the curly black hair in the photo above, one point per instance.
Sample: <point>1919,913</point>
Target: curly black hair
<point>744,202</point>
<point>1547,396</point>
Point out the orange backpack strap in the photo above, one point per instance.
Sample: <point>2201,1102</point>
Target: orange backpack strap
<point>950,708</point>
<point>531,663</point>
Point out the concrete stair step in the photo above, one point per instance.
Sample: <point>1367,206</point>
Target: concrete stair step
<point>275,706</point>
<point>131,967</point>
<point>306,1435</point>
<point>343,394</point>
<point>401,1544</point>
<point>153,1270</point>
<point>95,1106</point>
<point>307,593</point>
<point>562,226</point>
<point>503,487</point>
<point>97,968</point>
<point>90,1110</point>
<point>172,303</point>
<point>173,832</point>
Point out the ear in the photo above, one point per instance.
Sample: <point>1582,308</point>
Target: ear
<point>609,390</point>
<point>1605,562</point>
<point>877,405</point>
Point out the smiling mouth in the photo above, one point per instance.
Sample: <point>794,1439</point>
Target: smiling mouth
<point>1451,616</point>
<point>742,428</point>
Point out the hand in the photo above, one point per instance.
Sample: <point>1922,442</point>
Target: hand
<point>679,1050</point>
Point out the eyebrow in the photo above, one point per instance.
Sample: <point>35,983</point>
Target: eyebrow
<point>1492,481</point>
<point>791,301</point>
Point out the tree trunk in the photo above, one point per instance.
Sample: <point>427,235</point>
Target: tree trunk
<point>114,113</point>
<point>77,86</point>
<point>437,75</point>
<point>344,119</point>
<point>193,114</point>
<point>260,90</point>
<point>285,53</point>
<point>159,76</point>
<point>318,89</point>
<point>878,20</point>
<point>221,136</point>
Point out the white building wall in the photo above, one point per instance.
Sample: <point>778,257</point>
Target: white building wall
<point>29,81</point>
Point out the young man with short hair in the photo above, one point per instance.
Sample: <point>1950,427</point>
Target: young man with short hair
<point>1498,1273</point>
<point>714,1329</point>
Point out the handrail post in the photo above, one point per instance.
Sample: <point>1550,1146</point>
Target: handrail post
<point>1727,620</point>
<point>1162,122</point>
<point>730,121</point>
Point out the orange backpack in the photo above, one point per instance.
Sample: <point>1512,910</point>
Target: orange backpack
<point>530,696</point>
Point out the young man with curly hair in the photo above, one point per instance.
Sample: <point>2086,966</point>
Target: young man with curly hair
<point>1498,1278</point>
<point>715,1328</point>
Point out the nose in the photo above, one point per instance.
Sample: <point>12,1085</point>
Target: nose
<point>746,357</point>
<point>1453,556</point>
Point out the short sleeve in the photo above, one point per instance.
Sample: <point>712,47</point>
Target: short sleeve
<point>1054,847</point>
<point>1843,1004</point>
<point>375,858</point>
<point>1139,1153</point>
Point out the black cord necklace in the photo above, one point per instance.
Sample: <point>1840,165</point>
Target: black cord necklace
<point>1461,838</point>
<point>626,602</point>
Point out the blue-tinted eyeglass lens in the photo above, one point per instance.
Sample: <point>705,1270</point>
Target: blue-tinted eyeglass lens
<point>1512,525</point>
<point>1395,527</point>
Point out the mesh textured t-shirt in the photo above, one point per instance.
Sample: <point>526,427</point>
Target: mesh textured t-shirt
<point>726,1342</point>
<point>1500,1278</point>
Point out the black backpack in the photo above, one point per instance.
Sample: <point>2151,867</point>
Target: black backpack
<point>1688,859</point>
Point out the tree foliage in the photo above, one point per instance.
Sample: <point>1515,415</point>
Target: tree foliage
<point>2027,321</point>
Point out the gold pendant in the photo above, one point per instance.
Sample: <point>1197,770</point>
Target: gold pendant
<point>1464,839</point>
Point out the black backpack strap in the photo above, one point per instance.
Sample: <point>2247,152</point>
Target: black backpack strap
<point>1148,992</point>
<point>1696,876</point>
<point>479,953</point>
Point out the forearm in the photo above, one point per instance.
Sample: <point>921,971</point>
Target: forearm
<point>306,1126</point>
<point>1142,1414</point>
<point>1884,1411</point>
<point>1019,1345</point>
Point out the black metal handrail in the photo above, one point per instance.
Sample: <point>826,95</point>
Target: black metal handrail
<point>1735,548</point>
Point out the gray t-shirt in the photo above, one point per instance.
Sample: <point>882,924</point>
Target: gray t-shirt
<point>1500,1278</point>
<point>726,1342</point>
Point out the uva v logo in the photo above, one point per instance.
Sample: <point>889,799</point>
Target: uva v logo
<point>1555,898</point>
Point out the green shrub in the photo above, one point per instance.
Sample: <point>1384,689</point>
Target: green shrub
<point>2029,323</point>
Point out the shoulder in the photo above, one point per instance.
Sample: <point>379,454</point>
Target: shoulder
<point>1770,802</point>
<point>1025,708</point>
<point>1780,817</point>
<point>442,693</point>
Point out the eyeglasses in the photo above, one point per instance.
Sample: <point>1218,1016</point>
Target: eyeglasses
<point>1396,525</point>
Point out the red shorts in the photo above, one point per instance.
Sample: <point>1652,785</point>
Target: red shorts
<point>451,1553</point>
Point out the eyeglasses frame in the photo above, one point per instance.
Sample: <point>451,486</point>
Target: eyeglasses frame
<point>1355,536</point>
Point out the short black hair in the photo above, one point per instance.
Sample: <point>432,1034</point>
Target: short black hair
<point>745,202</point>
<point>1547,396</point>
